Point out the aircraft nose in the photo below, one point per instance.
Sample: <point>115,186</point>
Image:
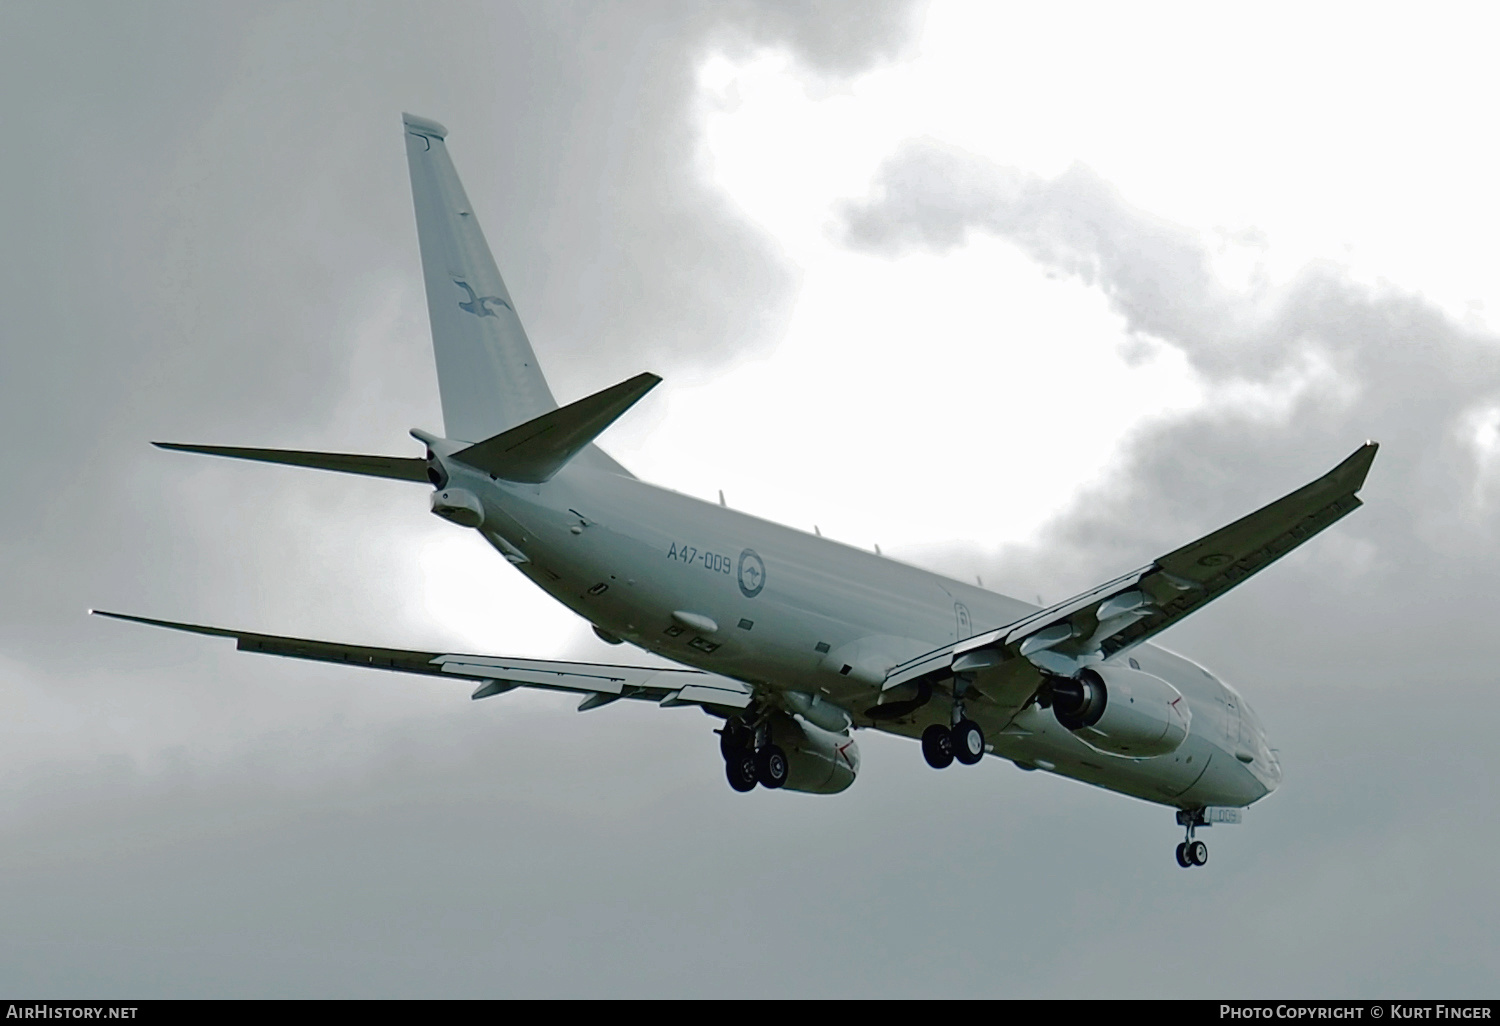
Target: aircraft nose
<point>1266,768</point>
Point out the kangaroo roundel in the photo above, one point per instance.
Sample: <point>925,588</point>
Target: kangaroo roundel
<point>752,573</point>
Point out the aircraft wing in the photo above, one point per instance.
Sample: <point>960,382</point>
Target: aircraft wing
<point>1008,664</point>
<point>599,683</point>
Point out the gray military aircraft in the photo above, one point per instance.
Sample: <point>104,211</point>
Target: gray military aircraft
<point>791,640</point>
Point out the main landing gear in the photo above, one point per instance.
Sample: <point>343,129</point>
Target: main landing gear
<point>750,759</point>
<point>1191,853</point>
<point>963,741</point>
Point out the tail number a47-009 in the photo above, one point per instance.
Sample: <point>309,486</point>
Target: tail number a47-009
<point>714,562</point>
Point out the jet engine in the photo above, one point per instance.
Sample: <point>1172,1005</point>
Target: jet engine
<point>1122,711</point>
<point>818,761</point>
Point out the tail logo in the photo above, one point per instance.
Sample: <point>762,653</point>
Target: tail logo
<point>479,305</point>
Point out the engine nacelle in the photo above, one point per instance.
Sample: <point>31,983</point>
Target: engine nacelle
<point>818,761</point>
<point>1122,711</point>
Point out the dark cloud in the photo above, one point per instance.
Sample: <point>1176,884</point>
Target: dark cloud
<point>209,235</point>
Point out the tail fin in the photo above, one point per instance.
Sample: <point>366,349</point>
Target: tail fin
<point>487,373</point>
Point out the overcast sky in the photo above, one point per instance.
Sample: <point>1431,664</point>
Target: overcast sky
<point>1032,293</point>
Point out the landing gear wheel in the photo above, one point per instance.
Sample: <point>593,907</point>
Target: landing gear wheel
<point>1182,856</point>
<point>1197,853</point>
<point>967,741</point>
<point>771,767</point>
<point>739,767</point>
<point>937,746</point>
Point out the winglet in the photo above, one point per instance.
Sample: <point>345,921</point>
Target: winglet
<point>538,449</point>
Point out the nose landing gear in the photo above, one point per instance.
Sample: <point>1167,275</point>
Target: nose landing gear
<point>1191,852</point>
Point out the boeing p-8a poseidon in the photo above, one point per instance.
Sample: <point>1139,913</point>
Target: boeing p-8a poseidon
<point>793,641</point>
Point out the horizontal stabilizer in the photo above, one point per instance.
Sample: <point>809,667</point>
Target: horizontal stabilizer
<point>538,449</point>
<point>400,468</point>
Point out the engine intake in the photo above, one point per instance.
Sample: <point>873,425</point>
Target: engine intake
<point>1122,711</point>
<point>1080,701</point>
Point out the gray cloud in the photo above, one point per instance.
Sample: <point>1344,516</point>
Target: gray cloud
<point>1354,648</point>
<point>1346,360</point>
<point>209,235</point>
<point>826,36</point>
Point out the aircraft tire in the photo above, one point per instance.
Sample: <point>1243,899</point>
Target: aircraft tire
<point>739,767</point>
<point>967,742</point>
<point>1197,853</point>
<point>937,746</point>
<point>771,767</point>
<point>1182,856</point>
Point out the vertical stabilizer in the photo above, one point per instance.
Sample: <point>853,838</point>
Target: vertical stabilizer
<point>487,372</point>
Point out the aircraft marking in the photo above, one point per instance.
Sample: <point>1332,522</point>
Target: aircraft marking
<point>476,304</point>
<point>752,573</point>
<point>711,561</point>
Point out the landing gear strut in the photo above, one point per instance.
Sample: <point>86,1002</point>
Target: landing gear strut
<point>1190,852</point>
<point>750,758</point>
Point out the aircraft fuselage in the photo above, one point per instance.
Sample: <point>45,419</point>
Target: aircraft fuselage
<point>783,610</point>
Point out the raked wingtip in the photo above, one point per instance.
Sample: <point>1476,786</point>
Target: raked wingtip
<point>423,126</point>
